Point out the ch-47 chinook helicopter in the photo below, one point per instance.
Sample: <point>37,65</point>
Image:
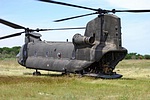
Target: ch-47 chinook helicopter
<point>96,53</point>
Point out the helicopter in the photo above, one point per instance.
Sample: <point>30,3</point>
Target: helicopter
<point>96,53</point>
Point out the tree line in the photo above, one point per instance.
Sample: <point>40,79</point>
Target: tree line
<point>137,56</point>
<point>7,52</point>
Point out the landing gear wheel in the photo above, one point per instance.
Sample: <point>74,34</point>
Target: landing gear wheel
<point>81,73</point>
<point>65,72</point>
<point>36,73</point>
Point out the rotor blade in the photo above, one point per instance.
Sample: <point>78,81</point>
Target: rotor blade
<point>11,24</point>
<point>12,35</point>
<point>67,28</point>
<point>133,11</point>
<point>74,17</point>
<point>59,29</point>
<point>67,4</point>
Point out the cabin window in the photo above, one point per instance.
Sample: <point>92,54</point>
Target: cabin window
<point>35,53</point>
<point>46,54</point>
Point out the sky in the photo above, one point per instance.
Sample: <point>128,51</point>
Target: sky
<point>35,14</point>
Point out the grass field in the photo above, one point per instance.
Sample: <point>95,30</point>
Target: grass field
<point>17,83</point>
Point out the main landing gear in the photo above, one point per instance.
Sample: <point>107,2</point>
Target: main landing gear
<point>36,73</point>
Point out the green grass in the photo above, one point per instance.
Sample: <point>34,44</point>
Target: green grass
<point>16,83</point>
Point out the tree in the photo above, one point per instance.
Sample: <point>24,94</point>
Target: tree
<point>7,52</point>
<point>131,56</point>
<point>134,56</point>
<point>147,56</point>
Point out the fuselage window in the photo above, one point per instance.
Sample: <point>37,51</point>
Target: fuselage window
<point>46,54</point>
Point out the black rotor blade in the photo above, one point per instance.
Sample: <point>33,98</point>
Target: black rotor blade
<point>75,17</point>
<point>67,4</point>
<point>18,34</point>
<point>66,28</point>
<point>58,29</point>
<point>11,24</point>
<point>12,35</point>
<point>133,11</point>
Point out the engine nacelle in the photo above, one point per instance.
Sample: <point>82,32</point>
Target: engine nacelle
<point>79,39</point>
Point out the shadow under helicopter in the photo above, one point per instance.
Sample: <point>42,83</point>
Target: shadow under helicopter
<point>74,75</point>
